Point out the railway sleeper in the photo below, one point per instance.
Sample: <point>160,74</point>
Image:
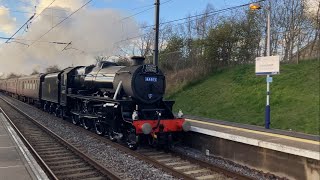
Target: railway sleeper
<point>66,166</point>
<point>57,152</point>
<point>75,170</point>
<point>63,154</point>
<point>79,175</point>
<point>61,158</point>
<point>64,162</point>
<point>49,148</point>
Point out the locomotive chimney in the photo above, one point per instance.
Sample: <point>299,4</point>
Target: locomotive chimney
<point>137,60</point>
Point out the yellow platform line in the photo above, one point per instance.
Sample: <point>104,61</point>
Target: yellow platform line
<point>257,132</point>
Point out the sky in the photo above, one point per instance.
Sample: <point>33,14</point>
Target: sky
<point>11,20</point>
<point>94,30</point>
<point>170,9</point>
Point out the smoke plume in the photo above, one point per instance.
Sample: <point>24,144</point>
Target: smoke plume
<point>90,32</point>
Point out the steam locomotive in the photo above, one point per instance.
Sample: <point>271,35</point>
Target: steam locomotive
<point>124,102</point>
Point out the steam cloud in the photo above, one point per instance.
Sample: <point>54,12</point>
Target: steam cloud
<point>91,31</point>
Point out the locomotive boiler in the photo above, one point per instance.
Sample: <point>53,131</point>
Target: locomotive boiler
<point>143,83</point>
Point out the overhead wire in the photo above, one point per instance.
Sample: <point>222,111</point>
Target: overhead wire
<point>136,8</point>
<point>19,39</point>
<point>44,9</point>
<point>194,16</point>
<point>19,43</point>
<point>60,22</point>
<point>207,13</point>
<point>32,17</point>
<point>145,10</point>
<point>20,28</point>
<point>138,14</point>
<point>149,5</point>
<point>30,4</point>
<point>28,12</point>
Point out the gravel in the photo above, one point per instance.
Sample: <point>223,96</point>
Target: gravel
<point>226,164</point>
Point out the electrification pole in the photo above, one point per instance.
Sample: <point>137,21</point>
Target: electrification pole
<point>156,39</point>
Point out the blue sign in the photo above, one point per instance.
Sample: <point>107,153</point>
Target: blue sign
<point>269,79</point>
<point>150,79</point>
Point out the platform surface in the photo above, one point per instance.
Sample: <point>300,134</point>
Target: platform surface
<point>284,141</point>
<point>16,162</point>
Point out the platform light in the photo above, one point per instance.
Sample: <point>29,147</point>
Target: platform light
<point>255,6</point>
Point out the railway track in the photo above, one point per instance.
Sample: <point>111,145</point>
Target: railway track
<point>190,167</point>
<point>59,159</point>
<point>178,165</point>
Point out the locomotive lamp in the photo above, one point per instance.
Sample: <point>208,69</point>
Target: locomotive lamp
<point>135,115</point>
<point>180,114</point>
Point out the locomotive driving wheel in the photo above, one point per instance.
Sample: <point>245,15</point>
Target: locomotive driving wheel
<point>87,123</point>
<point>132,139</point>
<point>99,128</point>
<point>152,141</point>
<point>75,119</point>
<point>111,135</point>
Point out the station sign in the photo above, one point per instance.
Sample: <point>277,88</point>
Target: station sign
<point>268,65</point>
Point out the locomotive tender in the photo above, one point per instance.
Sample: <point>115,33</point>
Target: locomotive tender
<point>124,102</point>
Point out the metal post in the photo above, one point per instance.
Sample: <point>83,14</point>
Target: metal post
<point>156,39</point>
<point>267,113</point>
<point>268,33</point>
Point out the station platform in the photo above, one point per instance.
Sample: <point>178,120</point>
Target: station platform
<point>299,144</point>
<point>16,162</point>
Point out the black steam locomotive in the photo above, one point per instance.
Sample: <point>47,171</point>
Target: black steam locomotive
<point>123,102</point>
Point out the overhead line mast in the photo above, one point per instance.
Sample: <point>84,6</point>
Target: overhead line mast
<point>156,40</point>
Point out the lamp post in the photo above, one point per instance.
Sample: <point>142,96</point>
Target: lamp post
<point>256,6</point>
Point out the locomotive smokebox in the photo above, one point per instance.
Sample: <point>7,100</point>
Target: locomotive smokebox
<point>137,60</point>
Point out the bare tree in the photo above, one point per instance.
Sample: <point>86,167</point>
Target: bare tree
<point>100,58</point>
<point>13,75</point>
<point>316,24</point>
<point>34,72</point>
<point>123,61</point>
<point>144,44</point>
<point>52,69</point>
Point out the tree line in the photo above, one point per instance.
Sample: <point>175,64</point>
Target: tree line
<point>215,40</point>
<point>49,69</point>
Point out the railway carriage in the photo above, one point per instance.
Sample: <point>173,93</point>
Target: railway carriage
<point>28,88</point>
<point>12,87</point>
<point>3,85</point>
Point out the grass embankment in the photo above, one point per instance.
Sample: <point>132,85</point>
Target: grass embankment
<point>237,95</point>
